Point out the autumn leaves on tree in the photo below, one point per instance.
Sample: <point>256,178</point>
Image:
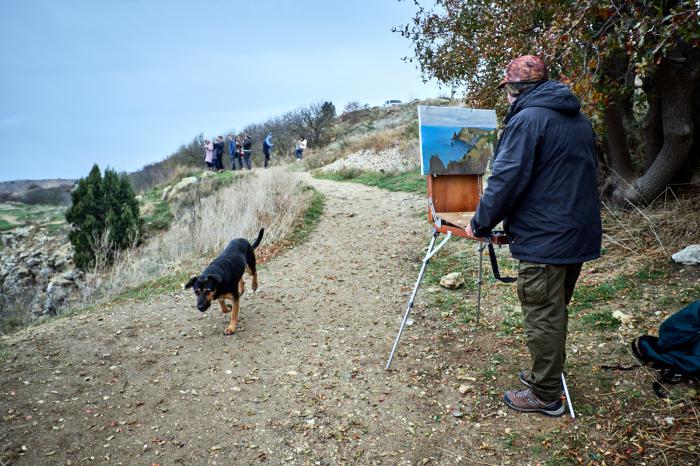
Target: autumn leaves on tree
<point>634,64</point>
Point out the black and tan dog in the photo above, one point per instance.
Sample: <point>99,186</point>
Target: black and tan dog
<point>223,278</point>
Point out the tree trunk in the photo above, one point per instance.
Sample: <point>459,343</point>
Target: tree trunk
<point>675,82</point>
<point>652,128</point>
<point>619,160</point>
<point>621,172</point>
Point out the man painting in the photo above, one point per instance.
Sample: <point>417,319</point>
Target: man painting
<point>543,187</point>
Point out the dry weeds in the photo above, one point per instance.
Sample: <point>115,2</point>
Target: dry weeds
<point>639,236</point>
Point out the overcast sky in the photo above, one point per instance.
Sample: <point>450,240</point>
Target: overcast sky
<point>124,82</point>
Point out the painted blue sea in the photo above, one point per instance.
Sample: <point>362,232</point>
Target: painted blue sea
<point>441,141</point>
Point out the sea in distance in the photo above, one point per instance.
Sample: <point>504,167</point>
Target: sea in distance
<point>438,140</point>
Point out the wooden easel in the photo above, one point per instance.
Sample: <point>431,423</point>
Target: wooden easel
<point>452,201</point>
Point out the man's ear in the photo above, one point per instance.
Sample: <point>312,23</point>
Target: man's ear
<point>189,284</point>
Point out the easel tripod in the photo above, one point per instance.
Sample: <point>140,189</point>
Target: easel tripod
<point>432,250</point>
<point>497,238</point>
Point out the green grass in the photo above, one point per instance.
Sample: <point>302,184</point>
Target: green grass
<point>508,441</point>
<point>649,274</point>
<point>455,257</point>
<point>160,218</point>
<point>585,296</point>
<point>4,353</point>
<point>55,227</point>
<point>311,217</point>
<point>11,323</point>
<point>166,284</point>
<point>512,320</point>
<point>602,320</point>
<point>16,214</point>
<point>411,182</point>
<point>448,300</point>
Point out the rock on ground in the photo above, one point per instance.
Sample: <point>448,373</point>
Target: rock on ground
<point>688,256</point>
<point>389,160</point>
<point>452,280</point>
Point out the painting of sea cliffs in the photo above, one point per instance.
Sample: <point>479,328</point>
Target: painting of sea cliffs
<point>456,141</point>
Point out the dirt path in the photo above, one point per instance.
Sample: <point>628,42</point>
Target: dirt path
<point>302,380</point>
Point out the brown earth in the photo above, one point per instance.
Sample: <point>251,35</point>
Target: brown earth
<point>303,379</point>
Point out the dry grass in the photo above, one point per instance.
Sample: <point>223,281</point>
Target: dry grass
<point>272,199</point>
<point>403,137</point>
<point>638,236</point>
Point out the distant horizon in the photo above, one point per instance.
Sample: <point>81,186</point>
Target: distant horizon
<point>125,84</point>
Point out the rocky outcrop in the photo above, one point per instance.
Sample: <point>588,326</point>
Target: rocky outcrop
<point>54,192</point>
<point>387,160</point>
<point>37,276</point>
<point>173,191</point>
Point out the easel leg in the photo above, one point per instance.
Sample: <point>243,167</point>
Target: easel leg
<point>426,259</point>
<point>568,397</point>
<point>479,279</point>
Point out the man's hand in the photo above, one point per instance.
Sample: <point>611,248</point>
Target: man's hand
<point>470,233</point>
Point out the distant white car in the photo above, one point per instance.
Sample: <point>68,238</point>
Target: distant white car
<point>389,103</point>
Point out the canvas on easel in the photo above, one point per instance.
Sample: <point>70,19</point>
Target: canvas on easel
<point>455,140</point>
<point>455,147</point>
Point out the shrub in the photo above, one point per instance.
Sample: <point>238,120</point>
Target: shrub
<point>105,218</point>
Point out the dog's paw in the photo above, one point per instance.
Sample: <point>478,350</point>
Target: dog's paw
<point>230,330</point>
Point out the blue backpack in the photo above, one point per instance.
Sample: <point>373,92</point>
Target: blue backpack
<point>676,351</point>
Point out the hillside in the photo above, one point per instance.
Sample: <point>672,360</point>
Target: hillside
<point>55,191</point>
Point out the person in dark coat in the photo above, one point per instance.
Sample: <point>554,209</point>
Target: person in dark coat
<point>544,189</point>
<point>233,152</point>
<point>247,150</point>
<point>219,153</point>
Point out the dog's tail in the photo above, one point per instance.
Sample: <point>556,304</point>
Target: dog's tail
<point>258,239</point>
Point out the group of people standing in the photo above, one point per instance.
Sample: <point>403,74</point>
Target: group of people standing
<point>240,151</point>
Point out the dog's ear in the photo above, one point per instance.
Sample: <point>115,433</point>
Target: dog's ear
<point>190,283</point>
<point>215,278</point>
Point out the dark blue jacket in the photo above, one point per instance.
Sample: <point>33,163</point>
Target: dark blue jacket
<point>218,149</point>
<point>543,185</point>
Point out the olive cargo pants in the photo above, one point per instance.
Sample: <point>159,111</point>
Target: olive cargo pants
<point>545,291</point>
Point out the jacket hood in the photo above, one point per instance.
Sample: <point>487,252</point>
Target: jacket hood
<point>549,94</point>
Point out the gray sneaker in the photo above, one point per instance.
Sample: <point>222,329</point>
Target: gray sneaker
<point>523,376</point>
<point>527,402</point>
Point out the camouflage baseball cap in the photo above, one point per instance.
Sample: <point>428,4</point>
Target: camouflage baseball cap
<point>524,69</point>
